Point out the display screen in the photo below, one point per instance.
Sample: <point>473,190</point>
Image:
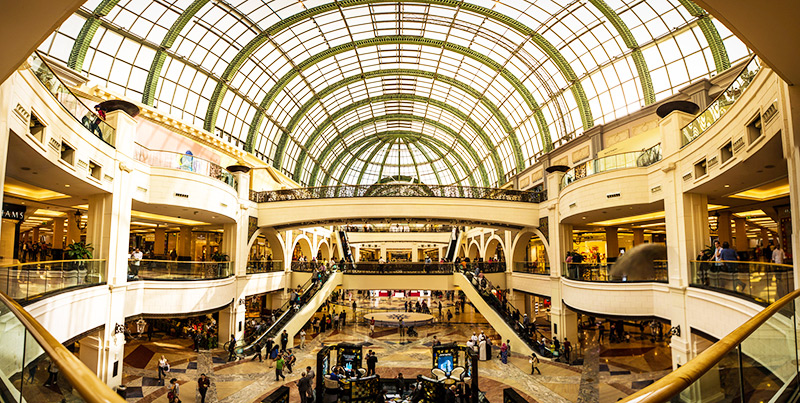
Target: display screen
<point>325,368</point>
<point>445,363</point>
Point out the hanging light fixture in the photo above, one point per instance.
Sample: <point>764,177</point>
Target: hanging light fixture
<point>79,220</point>
<point>713,226</point>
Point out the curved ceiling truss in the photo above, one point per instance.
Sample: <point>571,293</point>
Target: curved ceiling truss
<point>522,77</point>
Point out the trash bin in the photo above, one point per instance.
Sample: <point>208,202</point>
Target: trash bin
<point>122,390</point>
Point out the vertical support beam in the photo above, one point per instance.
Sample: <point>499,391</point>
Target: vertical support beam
<point>638,236</point>
<point>686,221</point>
<point>6,91</point>
<point>185,241</point>
<point>741,234</point>
<point>160,241</point>
<point>724,232</point>
<point>107,230</point>
<point>789,101</point>
<point>612,242</point>
<point>58,233</point>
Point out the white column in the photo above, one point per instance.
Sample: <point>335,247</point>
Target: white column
<point>564,322</point>
<point>687,228</point>
<point>790,99</point>
<point>108,227</point>
<point>6,91</point>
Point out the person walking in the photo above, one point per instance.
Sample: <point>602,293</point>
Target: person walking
<point>303,386</point>
<point>174,391</point>
<point>258,352</point>
<point>534,361</point>
<point>279,368</point>
<point>289,360</point>
<point>232,349</point>
<point>302,338</point>
<point>372,326</point>
<point>52,374</point>
<point>203,383</point>
<point>567,350</point>
<point>163,368</point>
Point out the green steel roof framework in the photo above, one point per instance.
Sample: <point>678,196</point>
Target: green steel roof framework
<point>636,54</point>
<point>150,85</point>
<point>539,40</point>
<point>487,141</point>
<point>403,117</point>
<point>390,40</point>
<point>712,35</point>
<point>436,144</point>
<point>84,39</point>
<point>96,19</point>
<point>409,136</point>
<point>278,159</point>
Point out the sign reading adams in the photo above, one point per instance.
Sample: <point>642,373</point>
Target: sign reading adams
<point>14,211</point>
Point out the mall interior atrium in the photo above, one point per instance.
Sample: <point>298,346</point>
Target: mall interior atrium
<point>399,201</point>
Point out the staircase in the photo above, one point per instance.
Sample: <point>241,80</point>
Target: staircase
<point>490,308</point>
<point>291,319</point>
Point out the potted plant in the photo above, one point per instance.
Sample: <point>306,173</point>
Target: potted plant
<point>222,258</point>
<point>78,251</point>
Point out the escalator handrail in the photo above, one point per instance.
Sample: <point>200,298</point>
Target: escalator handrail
<point>82,379</point>
<point>509,321</point>
<point>279,322</point>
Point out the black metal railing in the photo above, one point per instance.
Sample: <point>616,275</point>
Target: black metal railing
<point>512,316</point>
<point>532,268</point>
<point>264,266</point>
<point>285,313</point>
<point>601,273</point>
<point>399,268</point>
<point>394,190</point>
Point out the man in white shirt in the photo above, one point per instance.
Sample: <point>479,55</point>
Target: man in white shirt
<point>778,255</point>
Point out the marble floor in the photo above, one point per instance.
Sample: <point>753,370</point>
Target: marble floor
<point>606,372</point>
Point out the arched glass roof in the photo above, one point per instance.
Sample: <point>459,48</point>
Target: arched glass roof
<point>351,91</point>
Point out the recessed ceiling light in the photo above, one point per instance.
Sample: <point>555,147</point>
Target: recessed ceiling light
<point>67,185</point>
<point>727,186</point>
<point>584,218</point>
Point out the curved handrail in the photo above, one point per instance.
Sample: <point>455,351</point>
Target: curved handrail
<point>69,101</point>
<point>722,103</point>
<point>396,190</point>
<point>183,162</point>
<point>633,159</point>
<point>676,381</point>
<point>88,385</point>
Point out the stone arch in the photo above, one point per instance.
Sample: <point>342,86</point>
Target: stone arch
<point>276,243</point>
<point>302,246</point>
<point>474,250</point>
<point>521,241</point>
<point>323,250</point>
<point>492,246</point>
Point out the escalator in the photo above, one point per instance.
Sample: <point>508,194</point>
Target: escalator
<point>348,256</point>
<point>493,310</point>
<point>452,245</point>
<point>293,319</point>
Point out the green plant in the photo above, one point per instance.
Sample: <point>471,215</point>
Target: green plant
<point>706,253</point>
<point>218,256</point>
<point>79,250</point>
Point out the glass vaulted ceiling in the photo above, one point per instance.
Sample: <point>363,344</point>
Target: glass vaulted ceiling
<point>352,91</point>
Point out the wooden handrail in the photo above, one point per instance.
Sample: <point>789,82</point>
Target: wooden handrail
<point>676,381</point>
<point>88,385</point>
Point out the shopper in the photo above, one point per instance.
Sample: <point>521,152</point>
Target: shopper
<point>203,383</point>
<point>174,391</point>
<point>279,368</point>
<point>163,368</point>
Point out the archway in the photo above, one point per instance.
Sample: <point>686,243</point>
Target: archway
<point>323,251</point>
<point>494,250</point>
<point>474,251</point>
<point>261,248</point>
<point>530,251</point>
<point>302,247</point>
